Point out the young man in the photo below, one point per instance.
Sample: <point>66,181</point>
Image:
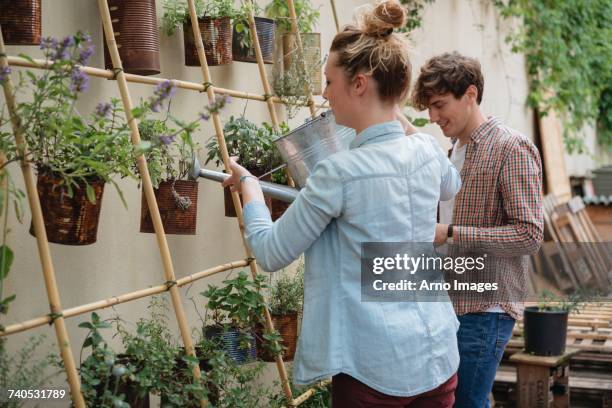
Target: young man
<point>498,209</point>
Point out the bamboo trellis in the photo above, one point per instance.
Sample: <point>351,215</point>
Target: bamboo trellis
<point>57,314</point>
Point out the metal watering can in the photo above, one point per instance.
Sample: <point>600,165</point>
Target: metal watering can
<point>301,149</point>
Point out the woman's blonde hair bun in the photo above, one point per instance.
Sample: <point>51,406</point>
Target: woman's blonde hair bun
<point>380,20</point>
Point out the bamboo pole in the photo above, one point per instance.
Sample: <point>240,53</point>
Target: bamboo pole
<point>61,332</point>
<point>225,156</point>
<point>335,14</point>
<point>116,300</point>
<point>262,69</point>
<point>148,189</point>
<point>300,55</point>
<point>147,80</point>
<point>307,394</point>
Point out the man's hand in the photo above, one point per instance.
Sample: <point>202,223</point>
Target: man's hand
<point>441,233</point>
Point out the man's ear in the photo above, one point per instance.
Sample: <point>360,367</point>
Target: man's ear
<point>359,85</point>
<point>472,92</point>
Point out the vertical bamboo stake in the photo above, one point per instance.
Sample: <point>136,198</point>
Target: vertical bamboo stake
<point>148,189</point>
<point>280,365</point>
<point>335,14</point>
<point>61,333</point>
<point>262,69</point>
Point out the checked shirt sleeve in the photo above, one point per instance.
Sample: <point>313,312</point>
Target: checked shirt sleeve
<point>520,183</point>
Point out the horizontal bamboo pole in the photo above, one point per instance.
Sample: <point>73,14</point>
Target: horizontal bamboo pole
<point>301,398</point>
<point>126,297</point>
<point>146,80</point>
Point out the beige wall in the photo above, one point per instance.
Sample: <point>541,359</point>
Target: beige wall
<point>123,259</point>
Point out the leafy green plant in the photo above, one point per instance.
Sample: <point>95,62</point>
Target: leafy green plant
<point>22,370</point>
<point>294,84</point>
<point>157,363</point>
<point>308,16</point>
<point>566,303</point>
<point>233,385</point>
<point>101,373</point>
<point>253,145</point>
<point>321,398</point>
<point>61,141</point>
<point>176,12</point>
<point>241,25</point>
<point>286,294</point>
<point>239,302</point>
<point>168,143</point>
<point>568,53</point>
<point>414,11</point>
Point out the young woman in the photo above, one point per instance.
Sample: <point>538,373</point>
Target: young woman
<point>384,189</point>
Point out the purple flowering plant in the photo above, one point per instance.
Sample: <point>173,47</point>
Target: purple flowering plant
<point>167,141</point>
<point>61,141</point>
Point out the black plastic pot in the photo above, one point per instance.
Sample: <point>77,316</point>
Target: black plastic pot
<point>545,331</point>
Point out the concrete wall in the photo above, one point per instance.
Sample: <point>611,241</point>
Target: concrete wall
<point>123,259</point>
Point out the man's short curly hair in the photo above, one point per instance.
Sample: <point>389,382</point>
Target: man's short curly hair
<point>449,72</point>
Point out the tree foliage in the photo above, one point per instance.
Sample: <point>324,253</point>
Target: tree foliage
<point>569,53</point>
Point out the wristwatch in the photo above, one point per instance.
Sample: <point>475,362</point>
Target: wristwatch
<point>449,234</point>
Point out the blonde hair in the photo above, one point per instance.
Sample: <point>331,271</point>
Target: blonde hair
<point>371,46</point>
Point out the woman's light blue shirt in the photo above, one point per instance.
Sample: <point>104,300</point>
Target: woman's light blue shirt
<point>386,188</point>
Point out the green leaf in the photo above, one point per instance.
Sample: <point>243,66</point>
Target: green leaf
<point>91,194</point>
<point>6,260</point>
<point>420,122</point>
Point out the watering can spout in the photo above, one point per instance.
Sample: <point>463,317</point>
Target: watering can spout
<point>278,191</point>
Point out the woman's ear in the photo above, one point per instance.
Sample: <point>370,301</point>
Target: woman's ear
<point>359,85</point>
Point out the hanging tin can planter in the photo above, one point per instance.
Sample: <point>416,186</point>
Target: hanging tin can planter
<point>311,45</point>
<point>135,27</point>
<point>242,46</point>
<point>69,220</point>
<point>21,21</point>
<point>287,327</point>
<point>217,39</point>
<point>229,339</point>
<point>178,206</point>
<point>230,211</point>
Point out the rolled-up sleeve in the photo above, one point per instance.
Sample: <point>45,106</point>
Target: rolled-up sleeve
<point>277,244</point>
<point>451,179</point>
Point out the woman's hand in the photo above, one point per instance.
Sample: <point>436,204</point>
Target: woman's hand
<point>237,171</point>
<point>408,127</point>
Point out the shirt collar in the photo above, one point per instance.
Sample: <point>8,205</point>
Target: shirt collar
<point>378,133</point>
<point>478,133</point>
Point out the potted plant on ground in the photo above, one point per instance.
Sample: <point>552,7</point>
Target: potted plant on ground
<point>21,21</point>
<point>158,365</point>
<point>214,20</point>
<point>233,311</point>
<point>169,149</point>
<point>285,302</point>
<point>254,147</point>
<point>242,43</point>
<point>288,83</point>
<point>545,325</point>
<point>105,381</point>
<point>75,156</point>
<point>135,25</point>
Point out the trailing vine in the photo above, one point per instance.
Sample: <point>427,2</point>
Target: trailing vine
<point>569,54</point>
<point>414,10</point>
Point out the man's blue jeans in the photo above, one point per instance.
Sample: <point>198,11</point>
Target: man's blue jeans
<point>482,338</point>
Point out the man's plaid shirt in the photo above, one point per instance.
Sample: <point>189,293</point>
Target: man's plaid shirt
<point>499,210</point>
